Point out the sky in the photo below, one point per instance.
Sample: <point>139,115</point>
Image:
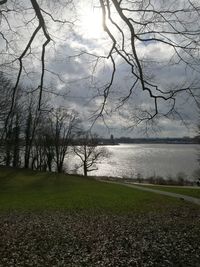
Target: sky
<point>74,71</point>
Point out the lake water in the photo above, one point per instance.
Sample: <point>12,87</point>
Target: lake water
<point>129,160</point>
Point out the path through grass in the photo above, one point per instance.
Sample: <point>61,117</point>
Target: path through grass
<point>193,192</point>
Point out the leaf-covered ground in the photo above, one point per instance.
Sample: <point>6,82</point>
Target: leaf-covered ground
<point>66,239</point>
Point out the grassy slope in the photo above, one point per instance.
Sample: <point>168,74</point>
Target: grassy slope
<point>193,192</point>
<point>27,190</point>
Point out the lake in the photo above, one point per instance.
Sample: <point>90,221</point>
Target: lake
<point>129,160</point>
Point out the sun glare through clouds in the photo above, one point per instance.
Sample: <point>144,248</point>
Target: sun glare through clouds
<point>90,23</point>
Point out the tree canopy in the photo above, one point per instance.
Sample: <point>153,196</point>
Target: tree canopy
<point>156,42</point>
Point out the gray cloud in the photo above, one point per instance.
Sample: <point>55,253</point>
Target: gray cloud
<point>80,83</point>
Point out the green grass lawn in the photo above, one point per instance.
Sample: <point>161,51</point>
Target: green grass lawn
<point>28,190</point>
<point>193,192</point>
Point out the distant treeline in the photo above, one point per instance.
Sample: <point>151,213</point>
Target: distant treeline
<point>127,140</point>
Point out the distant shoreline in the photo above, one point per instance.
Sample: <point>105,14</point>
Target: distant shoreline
<point>127,140</point>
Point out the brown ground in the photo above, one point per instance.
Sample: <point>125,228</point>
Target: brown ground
<point>65,239</point>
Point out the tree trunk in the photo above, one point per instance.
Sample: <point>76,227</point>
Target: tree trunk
<point>60,167</point>
<point>27,140</point>
<point>49,161</point>
<point>85,168</point>
<point>27,157</point>
<point>16,149</point>
<point>8,157</point>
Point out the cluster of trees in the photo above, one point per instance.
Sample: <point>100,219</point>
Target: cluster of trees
<point>41,139</point>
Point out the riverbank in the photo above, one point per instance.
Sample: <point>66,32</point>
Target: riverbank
<point>154,181</point>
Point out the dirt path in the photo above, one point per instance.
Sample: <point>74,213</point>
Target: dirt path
<point>180,196</point>
<point>177,186</point>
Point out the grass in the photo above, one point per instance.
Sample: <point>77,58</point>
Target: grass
<point>27,190</point>
<point>193,192</point>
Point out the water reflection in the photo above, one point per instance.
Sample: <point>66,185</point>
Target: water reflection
<point>129,160</point>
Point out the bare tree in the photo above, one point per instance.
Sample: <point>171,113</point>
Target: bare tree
<point>90,153</point>
<point>131,27</point>
<point>5,99</point>
<point>28,21</point>
<point>43,152</point>
<point>9,129</point>
<point>134,25</point>
<point>5,89</point>
<point>64,125</point>
<point>31,118</point>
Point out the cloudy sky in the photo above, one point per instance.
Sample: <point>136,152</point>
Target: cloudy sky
<point>75,70</point>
